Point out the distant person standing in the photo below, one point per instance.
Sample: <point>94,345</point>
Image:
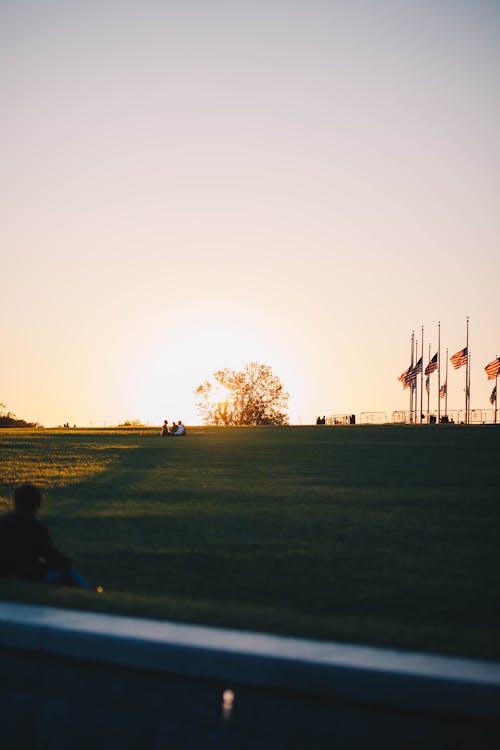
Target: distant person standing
<point>26,549</point>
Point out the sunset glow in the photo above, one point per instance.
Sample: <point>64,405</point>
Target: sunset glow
<point>195,186</point>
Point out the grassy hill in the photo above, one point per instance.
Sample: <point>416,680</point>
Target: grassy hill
<point>382,535</point>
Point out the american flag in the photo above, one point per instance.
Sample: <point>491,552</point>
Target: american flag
<point>442,390</point>
<point>412,375</point>
<point>493,396</point>
<point>459,359</point>
<point>403,376</point>
<point>493,369</point>
<point>427,384</point>
<point>432,365</point>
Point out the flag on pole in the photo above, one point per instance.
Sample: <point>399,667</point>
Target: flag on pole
<point>493,369</point>
<point>412,375</point>
<point>459,359</point>
<point>493,396</point>
<point>403,376</point>
<point>442,390</point>
<point>427,384</point>
<point>432,365</point>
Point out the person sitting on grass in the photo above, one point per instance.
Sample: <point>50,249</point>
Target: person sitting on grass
<point>164,429</point>
<point>26,549</point>
<point>179,428</point>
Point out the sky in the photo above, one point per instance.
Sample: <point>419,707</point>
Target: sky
<point>197,185</point>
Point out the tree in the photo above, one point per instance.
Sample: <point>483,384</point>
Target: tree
<point>10,420</point>
<point>252,396</point>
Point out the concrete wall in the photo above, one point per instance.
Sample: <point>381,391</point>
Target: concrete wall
<point>82,680</point>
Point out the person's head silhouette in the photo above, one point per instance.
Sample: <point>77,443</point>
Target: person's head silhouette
<point>27,499</point>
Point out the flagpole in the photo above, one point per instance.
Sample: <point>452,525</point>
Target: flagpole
<point>496,395</point>
<point>422,378</point>
<point>446,394</point>
<point>411,368</point>
<point>468,392</point>
<point>412,382</point>
<point>428,385</point>
<point>468,389</point>
<point>439,372</point>
<point>467,376</point>
<point>415,398</point>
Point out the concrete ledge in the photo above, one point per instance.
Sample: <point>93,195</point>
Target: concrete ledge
<point>378,677</point>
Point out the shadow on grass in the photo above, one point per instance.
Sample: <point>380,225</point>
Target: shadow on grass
<point>337,534</point>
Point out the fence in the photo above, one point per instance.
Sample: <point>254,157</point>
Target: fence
<point>341,419</point>
<point>408,417</point>
<point>373,417</point>
<point>453,416</point>
<point>479,416</point>
<point>476,416</point>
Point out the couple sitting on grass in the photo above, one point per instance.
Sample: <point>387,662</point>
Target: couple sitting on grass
<point>176,429</point>
<point>26,549</point>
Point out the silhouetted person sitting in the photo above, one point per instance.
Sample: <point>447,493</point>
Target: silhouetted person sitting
<point>173,429</point>
<point>26,549</point>
<point>179,428</point>
<point>164,429</point>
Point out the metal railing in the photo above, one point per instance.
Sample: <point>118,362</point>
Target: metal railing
<point>479,416</point>
<point>408,417</point>
<point>373,417</point>
<point>341,419</point>
<point>453,416</point>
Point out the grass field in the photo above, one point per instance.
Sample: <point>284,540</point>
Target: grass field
<point>381,535</point>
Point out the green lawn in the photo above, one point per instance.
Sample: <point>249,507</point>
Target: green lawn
<point>382,535</point>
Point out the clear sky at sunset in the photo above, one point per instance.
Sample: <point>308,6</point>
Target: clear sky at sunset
<point>187,186</point>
